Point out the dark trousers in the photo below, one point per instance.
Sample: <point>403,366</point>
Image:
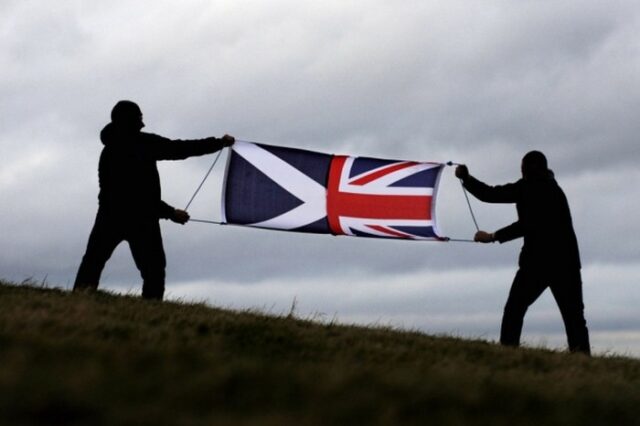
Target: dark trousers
<point>145,241</point>
<point>566,287</point>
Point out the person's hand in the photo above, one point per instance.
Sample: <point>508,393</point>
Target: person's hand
<point>228,140</point>
<point>180,216</point>
<point>484,237</point>
<point>462,172</point>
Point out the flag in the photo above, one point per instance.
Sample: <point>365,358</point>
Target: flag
<point>298,190</point>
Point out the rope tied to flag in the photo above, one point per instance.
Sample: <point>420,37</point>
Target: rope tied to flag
<point>466,196</point>
<point>206,176</point>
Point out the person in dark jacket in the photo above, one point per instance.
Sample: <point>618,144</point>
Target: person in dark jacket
<point>130,203</point>
<point>549,255</point>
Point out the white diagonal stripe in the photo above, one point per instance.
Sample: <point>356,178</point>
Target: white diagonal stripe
<point>311,193</point>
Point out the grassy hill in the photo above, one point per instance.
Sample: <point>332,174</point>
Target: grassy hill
<point>100,359</point>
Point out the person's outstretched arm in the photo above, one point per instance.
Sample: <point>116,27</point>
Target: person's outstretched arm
<point>489,194</point>
<point>178,149</point>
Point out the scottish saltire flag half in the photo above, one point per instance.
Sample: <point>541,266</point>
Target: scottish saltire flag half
<point>298,190</point>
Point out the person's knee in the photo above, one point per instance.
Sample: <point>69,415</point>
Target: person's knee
<point>155,275</point>
<point>572,312</point>
<point>95,259</point>
<point>513,309</point>
<point>576,322</point>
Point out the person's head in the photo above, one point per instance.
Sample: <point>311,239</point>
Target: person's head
<point>534,165</point>
<point>127,114</point>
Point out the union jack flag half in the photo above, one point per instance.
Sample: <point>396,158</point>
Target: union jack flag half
<point>298,190</point>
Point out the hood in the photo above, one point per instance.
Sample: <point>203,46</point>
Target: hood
<point>112,134</point>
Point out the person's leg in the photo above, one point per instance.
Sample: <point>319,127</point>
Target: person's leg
<point>145,241</point>
<point>567,290</point>
<point>104,238</point>
<point>526,288</point>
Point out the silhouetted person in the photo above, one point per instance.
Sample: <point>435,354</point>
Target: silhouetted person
<point>130,204</point>
<point>549,256</point>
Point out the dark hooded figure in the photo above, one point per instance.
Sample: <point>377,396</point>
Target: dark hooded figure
<point>549,255</point>
<point>130,203</point>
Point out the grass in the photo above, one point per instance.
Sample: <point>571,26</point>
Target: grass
<point>102,359</point>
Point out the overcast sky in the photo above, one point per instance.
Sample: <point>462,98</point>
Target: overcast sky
<point>479,82</point>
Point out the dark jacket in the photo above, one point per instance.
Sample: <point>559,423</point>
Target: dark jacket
<point>544,220</point>
<point>128,175</point>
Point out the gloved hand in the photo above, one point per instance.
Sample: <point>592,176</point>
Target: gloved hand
<point>180,216</point>
<point>462,172</point>
<point>227,140</point>
<point>484,237</point>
